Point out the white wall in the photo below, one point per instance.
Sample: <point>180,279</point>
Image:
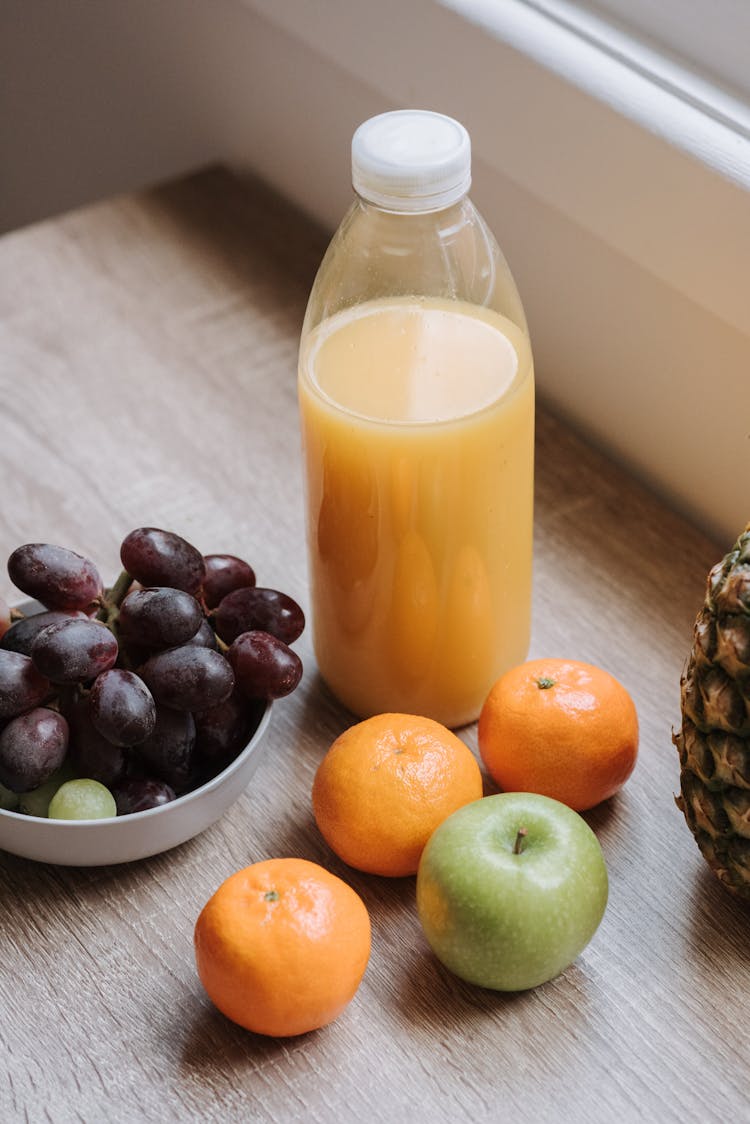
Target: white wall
<point>102,97</point>
<point>97,96</point>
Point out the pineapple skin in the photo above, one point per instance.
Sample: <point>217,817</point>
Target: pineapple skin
<point>714,740</point>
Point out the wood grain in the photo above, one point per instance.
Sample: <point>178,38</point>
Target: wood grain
<point>147,376</point>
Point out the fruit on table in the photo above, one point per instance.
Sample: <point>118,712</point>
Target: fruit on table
<point>250,609</point>
<point>188,678</point>
<point>511,889</point>
<point>22,687</point>
<point>123,672</point>
<point>562,728</point>
<point>281,947</point>
<point>74,651</point>
<point>156,557</point>
<point>159,617</point>
<point>139,795</point>
<point>384,786</point>
<point>90,753</point>
<point>36,802</point>
<point>82,799</point>
<point>22,633</point>
<point>222,730</point>
<point>167,752</point>
<point>205,637</point>
<point>224,574</point>
<point>121,707</point>
<point>260,658</point>
<point>714,739</point>
<point>32,748</point>
<point>5,620</point>
<point>54,575</point>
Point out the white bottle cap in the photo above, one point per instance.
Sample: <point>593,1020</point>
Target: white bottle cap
<point>411,160</point>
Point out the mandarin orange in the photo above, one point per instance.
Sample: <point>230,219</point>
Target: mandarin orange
<point>384,786</point>
<point>562,728</point>
<point>282,946</point>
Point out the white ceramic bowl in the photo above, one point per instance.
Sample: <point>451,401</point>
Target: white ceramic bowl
<point>136,836</point>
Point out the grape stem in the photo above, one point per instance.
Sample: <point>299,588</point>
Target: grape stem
<point>117,594</point>
<point>109,610</point>
<point>113,598</point>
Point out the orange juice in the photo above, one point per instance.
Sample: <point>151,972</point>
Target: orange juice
<point>417,421</point>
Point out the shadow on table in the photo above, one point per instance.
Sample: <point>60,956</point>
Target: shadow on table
<point>608,819</point>
<point>29,885</point>
<point>718,925</point>
<point>213,1042</point>
<point>432,998</point>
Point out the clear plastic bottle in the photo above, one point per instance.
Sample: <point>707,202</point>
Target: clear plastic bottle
<point>417,407</point>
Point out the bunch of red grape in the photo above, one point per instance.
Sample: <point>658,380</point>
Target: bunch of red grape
<point>148,688</point>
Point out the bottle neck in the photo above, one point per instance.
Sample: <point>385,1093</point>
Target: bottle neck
<point>420,207</point>
<point>378,253</point>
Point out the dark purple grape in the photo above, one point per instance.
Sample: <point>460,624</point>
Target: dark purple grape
<point>155,557</point>
<point>140,794</point>
<point>32,748</point>
<point>121,707</point>
<point>22,633</point>
<point>188,678</point>
<point>73,651</point>
<point>205,637</point>
<point>54,575</point>
<point>226,729</point>
<point>133,655</point>
<point>5,617</point>
<point>224,574</point>
<point>21,685</point>
<point>91,754</point>
<point>159,617</point>
<point>264,667</point>
<point>168,750</point>
<point>246,610</point>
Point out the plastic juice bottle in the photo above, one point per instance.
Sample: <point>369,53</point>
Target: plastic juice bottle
<point>417,407</point>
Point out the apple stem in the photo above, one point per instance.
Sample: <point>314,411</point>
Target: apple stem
<point>522,833</point>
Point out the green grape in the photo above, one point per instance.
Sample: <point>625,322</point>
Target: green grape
<point>36,802</point>
<point>82,800</point>
<point>8,799</point>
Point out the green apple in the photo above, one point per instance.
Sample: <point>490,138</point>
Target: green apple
<point>510,889</point>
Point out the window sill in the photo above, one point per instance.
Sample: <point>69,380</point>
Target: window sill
<point>656,177</point>
<point>624,210</point>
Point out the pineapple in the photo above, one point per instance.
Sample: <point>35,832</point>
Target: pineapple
<point>714,741</point>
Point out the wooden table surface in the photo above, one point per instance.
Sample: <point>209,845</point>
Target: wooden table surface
<point>147,376</point>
